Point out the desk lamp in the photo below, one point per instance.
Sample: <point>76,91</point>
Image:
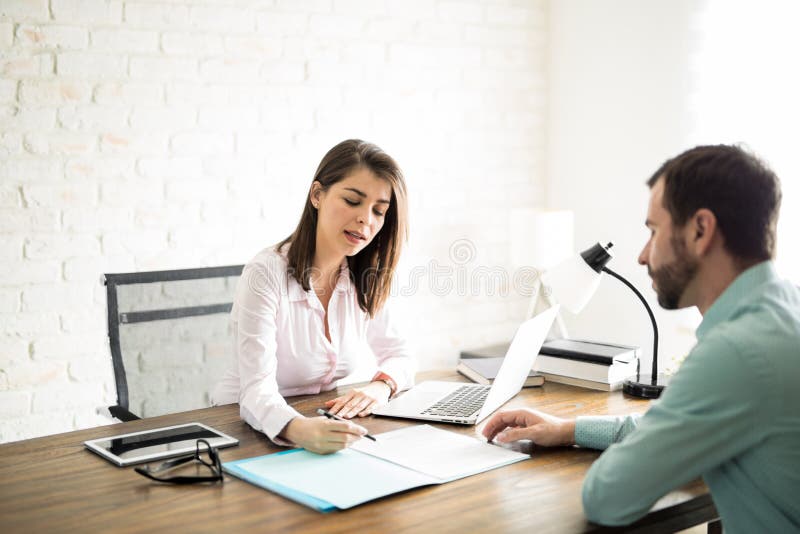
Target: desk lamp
<point>574,281</point>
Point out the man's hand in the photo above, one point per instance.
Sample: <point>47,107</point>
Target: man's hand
<point>539,427</point>
<point>359,402</point>
<point>322,435</point>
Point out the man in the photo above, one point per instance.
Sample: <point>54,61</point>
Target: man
<point>731,414</point>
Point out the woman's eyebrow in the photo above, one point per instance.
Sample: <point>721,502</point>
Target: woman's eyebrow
<point>364,195</point>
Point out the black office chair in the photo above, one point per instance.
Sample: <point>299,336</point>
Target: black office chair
<point>170,337</point>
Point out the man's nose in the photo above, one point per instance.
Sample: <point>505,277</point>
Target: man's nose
<point>643,255</point>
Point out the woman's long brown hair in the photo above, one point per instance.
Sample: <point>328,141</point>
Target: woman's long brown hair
<point>372,269</point>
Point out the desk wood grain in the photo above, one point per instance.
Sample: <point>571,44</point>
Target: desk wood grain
<point>53,484</point>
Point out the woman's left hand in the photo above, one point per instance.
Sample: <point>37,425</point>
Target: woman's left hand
<point>359,402</point>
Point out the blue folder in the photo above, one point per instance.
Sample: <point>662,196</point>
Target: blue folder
<point>316,480</point>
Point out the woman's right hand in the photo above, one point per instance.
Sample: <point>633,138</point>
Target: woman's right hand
<point>322,435</point>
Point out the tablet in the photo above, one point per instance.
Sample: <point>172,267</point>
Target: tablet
<point>149,445</point>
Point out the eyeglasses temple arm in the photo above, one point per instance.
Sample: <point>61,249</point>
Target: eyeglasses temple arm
<point>171,464</point>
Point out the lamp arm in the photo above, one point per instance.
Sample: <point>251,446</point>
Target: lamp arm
<point>654,375</point>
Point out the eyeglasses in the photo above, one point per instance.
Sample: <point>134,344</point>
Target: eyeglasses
<point>203,449</point>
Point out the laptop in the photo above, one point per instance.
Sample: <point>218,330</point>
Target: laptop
<point>469,404</point>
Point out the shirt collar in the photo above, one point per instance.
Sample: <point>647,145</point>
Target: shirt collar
<point>740,288</point>
<point>297,293</point>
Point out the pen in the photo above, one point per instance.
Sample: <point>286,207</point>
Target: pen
<point>329,415</point>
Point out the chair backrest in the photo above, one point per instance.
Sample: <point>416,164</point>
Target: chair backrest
<point>170,337</point>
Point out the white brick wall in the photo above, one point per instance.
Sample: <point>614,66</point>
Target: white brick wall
<point>139,135</point>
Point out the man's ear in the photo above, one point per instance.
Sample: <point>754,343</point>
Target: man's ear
<point>703,231</point>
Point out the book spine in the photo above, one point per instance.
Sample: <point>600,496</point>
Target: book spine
<point>575,368</point>
<point>586,370</point>
<point>589,384</point>
<point>578,356</point>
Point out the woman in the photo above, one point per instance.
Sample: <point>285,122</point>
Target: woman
<point>305,308</point>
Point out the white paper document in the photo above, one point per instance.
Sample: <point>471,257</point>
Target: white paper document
<point>439,453</point>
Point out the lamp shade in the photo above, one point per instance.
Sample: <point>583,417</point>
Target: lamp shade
<point>572,283</point>
<point>540,238</point>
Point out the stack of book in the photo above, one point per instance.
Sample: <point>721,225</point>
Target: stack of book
<point>484,371</point>
<point>602,366</point>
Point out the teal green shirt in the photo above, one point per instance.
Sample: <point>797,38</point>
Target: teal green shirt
<point>731,414</point>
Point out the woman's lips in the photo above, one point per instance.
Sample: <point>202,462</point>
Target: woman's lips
<point>354,238</point>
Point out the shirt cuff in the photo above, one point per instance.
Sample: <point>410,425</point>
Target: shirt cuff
<point>595,432</point>
<point>274,423</point>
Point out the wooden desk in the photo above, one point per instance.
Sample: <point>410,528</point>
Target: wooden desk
<point>53,484</point>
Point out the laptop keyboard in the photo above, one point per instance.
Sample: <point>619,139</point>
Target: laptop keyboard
<point>462,402</point>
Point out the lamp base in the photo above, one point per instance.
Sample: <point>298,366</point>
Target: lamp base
<point>644,386</point>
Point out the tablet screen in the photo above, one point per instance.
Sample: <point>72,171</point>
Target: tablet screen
<point>149,445</point>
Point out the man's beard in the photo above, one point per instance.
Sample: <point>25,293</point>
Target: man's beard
<point>671,279</point>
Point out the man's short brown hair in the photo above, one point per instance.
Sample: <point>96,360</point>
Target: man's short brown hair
<point>741,190</point>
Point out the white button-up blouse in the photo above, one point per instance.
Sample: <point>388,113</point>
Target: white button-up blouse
<point>280,348</point>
